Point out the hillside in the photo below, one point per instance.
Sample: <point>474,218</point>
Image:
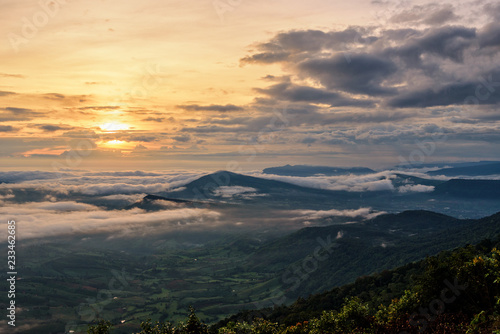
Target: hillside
<point>455,291</point>
<point>398,300</point>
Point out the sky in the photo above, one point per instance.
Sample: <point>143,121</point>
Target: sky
<point>246,84</point>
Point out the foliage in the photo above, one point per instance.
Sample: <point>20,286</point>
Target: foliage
<point>398,308</point>
<point>102,327</point>
<point>157,328</point>
<point>454,292</point>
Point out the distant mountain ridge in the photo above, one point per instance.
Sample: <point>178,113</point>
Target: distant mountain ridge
<point>489,189</point>
<point>457,197</point>
<point>306,170</point>
<point>486,168</point>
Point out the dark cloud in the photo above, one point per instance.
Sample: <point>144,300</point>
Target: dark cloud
<point>229,120</point>
<point>154,119</point>
<point>212,107</point>
<point>146,139</point>
<point>182,139</point>
<point>400,68</point>
<point>489,36</point>
<point>265,58</point>
<point>211,129</point>
<point>481,92</point>
<point>308,140</point>
<point>441,16</point>
<point>447,42</point>
<point>287,91</point>
<point>360,74</point>
<point>4,93</point>
<point>20,111</point>
<point>7,128</point>
<point>54,96</point>
<point>53,128</point>
<point>17,114</point>
<point>296,44</point>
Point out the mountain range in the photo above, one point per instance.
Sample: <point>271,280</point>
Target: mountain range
<point>256,241</point>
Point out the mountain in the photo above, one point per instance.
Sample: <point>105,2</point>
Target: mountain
<point>305,170</point>
<point>387,299</point>
<point>166,272</point>
<point>403,179</point>
<point>156,203</point>
<point>474,189</point>
<point>227,186</point>
<point>460,198</point>
<point>447,164</point>
<point>384,242</point>
<point>486,168</point>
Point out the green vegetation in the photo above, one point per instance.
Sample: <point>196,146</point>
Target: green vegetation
<point>454,292</point>
<point>67,285</point>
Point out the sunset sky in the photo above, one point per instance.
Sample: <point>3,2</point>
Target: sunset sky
<point>244,84</point>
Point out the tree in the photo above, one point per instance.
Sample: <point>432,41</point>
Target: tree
<point>193,324</point>
<point>102,327</point>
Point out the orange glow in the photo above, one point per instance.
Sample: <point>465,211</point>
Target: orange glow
<point>114,126</point>
<point>121,145</point>
<point>44,151</point>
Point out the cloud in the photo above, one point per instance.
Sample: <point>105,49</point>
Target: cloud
<point>265,58</point>
<point>54,96</point>
<point>354,183</point>
<point>447,42</point>
<point>21,176</point>
<point>419,188</point>
<point>489,35</point>
<point>363,74</point>
<point>70,218</point>
<point>399,68</point>
<point>17,114</point>
<point>121,197</point>
<point>430,14</point>
<point>139,148</point>
<point>7,128</point>
<point>9,75</point>
<point>294,45</point>
<point>366,213</point>
<point>65,206</point>
<point>142,138</point>
<point>212,107</point>
<point>20,111</point>
<point>5,93</point>
<point>182,138</point>
<point>154,119</point>
<point>464,93</point>
<point>231,191</point>
<point>287,91</point>
<point>492,10</point>
<point>308,140</point>
<point>53,128</point>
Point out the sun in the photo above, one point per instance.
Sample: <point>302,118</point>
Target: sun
<point>114,126</point>
<point>117,144</point>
